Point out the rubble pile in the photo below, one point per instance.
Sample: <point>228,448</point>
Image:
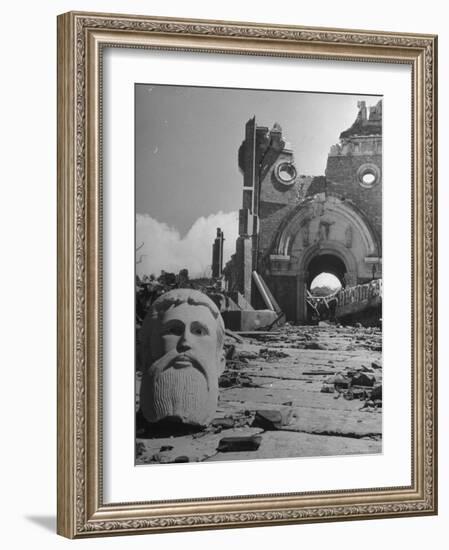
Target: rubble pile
<point>325,336</point>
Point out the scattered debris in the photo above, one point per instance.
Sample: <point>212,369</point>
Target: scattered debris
<point>244,354</point>
<point>223,423</point>
<point>355,384</point>
<point>312,345</point>
<point>269,354</point>
<point>161,458</point>
<point>341,382</point>
<point>229,350</point>
<point>256,334</point>
<point>318,373</point>
<point>366,369</point>
<point>267,370</point>
<point>233,379</point>
<point>356,393</point>
<point>272,419</point>
<point>363,379</point>
<point>376,393</point>
<point>231,334</point>
<point>371,405</point>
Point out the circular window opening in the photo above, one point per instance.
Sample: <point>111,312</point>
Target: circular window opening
<point>286,173</point>
<point>325,284</point>
<point>368,175</point>
<point>368,178</point>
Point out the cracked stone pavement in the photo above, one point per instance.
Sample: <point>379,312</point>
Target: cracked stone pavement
<point>285,371</point>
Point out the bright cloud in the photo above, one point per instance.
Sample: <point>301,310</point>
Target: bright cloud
<point>164,249</point>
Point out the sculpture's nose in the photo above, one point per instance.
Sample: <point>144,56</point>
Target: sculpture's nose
<point>184,342</point>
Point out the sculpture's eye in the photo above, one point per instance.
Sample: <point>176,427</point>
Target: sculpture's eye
<point>199,329</point>
<point>173,330</point>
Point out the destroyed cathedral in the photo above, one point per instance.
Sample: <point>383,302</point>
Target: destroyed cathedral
<point>292,227</point>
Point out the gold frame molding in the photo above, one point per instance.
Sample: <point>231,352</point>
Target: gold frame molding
<point>81,37</point>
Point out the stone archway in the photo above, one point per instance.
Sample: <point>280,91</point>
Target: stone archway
<point>330,256</point>
<point>326,263</point>
<point>325,218</point>
<point>329,231</point>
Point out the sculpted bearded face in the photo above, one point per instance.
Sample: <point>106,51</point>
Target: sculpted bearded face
<point>182,350</point>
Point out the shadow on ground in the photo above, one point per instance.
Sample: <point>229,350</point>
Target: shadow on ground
<point>46,522</point>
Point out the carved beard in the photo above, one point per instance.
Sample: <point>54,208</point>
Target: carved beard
<point>184,393</point>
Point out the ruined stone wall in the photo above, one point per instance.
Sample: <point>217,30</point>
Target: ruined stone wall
<point>344,177</point>
<point>284,290</point>
<point>281,190</point>
<point>271,217</point>
<point>354,166</point>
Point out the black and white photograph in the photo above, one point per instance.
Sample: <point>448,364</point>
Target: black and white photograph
<point>258,274</point>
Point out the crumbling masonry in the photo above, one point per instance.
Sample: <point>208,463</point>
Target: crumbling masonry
<point>293,227</point>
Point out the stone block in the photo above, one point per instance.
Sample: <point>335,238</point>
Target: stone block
<point>272,419</point>
<point>247,320</point>
<point>233,444</point>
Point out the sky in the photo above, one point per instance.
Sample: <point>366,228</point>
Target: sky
<point>187,178</point>
<point>326,279</point>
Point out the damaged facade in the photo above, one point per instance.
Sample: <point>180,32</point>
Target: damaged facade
<point>293,227</point>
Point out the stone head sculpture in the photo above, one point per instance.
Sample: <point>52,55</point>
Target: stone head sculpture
<point>182,339</point>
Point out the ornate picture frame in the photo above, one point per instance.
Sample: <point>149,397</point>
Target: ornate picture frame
<point>82,508</point>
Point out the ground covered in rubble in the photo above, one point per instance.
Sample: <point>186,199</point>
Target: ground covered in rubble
<point>297,392</point>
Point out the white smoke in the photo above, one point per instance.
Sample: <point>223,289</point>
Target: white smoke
<point>163,247</point>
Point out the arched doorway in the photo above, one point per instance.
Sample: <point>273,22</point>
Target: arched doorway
<point>326,263</point>
<point>321,302</point>
<point>330,257</point>
<point>323,234</point>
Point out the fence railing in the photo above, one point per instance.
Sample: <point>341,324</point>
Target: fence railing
<point>360,293</point>
<point>332,303</point>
